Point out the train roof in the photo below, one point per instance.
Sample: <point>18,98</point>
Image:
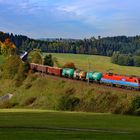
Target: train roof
<point>133,76</point>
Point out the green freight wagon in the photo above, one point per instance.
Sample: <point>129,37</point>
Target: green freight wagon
<point>93,76</point>
<point>67,72</point>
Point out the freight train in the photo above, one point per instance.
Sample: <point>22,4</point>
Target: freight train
<point>129,82</point>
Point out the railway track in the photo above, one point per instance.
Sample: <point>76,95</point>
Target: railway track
<point>94,84</point>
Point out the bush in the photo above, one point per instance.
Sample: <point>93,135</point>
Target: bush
<point>48,60</point>
<point>137,112</point>
<point>21,74</point>
<point>136,103</point>
<point>11,66</point>
<point>137,61</point>
<point>69,65</point>
<point>29,101</point>
<point>67,100</point>
<point>123,107</point>
<point>106,101</point>
<point>6,104</point>
<point>35,57</point>
<point>28,85</point>
<point>124,104</point>
<point>87,104</point>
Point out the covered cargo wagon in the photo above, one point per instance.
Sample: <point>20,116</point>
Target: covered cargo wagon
<point>54,71</point>
<point>42,68</point>
<point>33,66</point>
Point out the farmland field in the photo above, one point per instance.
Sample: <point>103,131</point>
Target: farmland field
<point>41,125</point>
<point>96,63</point>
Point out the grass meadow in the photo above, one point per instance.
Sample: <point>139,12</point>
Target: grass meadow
<point>95,63</point>
<point>26,124</point>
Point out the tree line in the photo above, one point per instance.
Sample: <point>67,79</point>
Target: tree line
<point>126,59</point>
<point>101,46</point>
<point>126,47</point>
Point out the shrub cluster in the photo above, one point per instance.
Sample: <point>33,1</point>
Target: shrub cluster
<point>68,100</point>
<point>15,68</point>
<point>69,65</point>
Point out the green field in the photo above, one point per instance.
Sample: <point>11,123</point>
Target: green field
<point>49,125</point>
<point>96,63</point>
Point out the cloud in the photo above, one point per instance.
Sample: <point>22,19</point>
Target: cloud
<point>71,17</point>
<point>102,14</point>
<point>22,6</point>
<point>88,10</point>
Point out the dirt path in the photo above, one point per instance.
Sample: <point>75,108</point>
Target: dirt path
<point>67,129</point>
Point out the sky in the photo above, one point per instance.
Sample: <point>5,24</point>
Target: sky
<point>70,18</point>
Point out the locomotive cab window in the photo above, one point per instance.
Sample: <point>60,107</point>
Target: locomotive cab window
<point>110,74</point>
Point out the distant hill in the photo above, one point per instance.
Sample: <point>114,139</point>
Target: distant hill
<point>58,39</point>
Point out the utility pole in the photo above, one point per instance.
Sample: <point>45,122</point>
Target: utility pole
<point>88,70</point>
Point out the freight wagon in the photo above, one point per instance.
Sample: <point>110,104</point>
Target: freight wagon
<point>54,71</point>
<point>33,66</point>
<point>38,67</point>
<point>42,68</point>
<point>123,81</point>
<point>80,75</point>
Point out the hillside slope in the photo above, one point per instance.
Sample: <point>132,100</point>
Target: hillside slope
<point>55,93</point>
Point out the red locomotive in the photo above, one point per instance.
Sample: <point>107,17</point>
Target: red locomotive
<point>121,80</point>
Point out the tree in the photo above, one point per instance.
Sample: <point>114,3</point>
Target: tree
<point>114,58</point>
<point>137,53</point>
<point>55,60</point>
<point>48,60</point>
<point>130,61</point>
<point>35,57</point>
<point>69,65</point>
<point>137,61</point>
<point>121,60</point>
<point>11,66</point>
<point>4,50</point>
<point>2,36</point>
<point>8,48</point>
<point>0,46</point>
<point>21,73</point>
